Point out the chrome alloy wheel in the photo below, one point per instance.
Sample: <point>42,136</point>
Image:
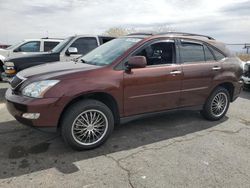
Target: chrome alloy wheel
<point>219,104</point>
<point>89,127</point>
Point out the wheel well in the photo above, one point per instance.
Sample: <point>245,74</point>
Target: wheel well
<point>105,98</point>
<point>230,87</point>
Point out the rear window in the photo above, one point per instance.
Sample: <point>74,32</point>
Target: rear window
<point>49,45</point>
<point>192,52</point>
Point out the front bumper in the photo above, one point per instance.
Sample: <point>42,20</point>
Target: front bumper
<point>7,78</point>
<point>48,108</point>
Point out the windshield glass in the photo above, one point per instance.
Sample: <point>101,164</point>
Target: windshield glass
<point>108,52</point>
<point>14,45</point>
<point>61,45</point>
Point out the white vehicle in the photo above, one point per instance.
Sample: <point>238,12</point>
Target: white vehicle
<point>246,74</point>
<point>28,46</point>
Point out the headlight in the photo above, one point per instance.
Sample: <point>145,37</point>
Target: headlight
<point>38,89</point>
<point>9,64</point>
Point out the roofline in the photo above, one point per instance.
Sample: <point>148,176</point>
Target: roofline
<point>172,33</point>
<point>88,35</point>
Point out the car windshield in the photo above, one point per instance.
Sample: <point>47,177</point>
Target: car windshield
<point>61,45</point>
<point>108,52</point>
<point>14,45</point>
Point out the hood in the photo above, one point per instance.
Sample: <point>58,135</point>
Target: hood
<point>40,56</point>
<point>50,70</point>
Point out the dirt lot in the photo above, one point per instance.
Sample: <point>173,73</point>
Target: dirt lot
<point>175,150</point>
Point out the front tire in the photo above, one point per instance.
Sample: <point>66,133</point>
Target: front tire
<point>217,104</point>
<point>87,124</point>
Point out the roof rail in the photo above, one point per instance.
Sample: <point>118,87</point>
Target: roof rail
<point>186,34</point>
<point>139,34</point>
<point>51,38</point>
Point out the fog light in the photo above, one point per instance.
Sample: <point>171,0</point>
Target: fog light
<point>31,115</point>
<point>11,71</point>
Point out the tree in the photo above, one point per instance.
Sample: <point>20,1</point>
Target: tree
<point>120,31</point>
<point>117,31</point>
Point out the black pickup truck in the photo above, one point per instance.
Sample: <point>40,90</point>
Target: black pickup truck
<point>69,49</point>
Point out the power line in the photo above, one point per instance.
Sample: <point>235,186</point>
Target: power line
<point>240,44</point>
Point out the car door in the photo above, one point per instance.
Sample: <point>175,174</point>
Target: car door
<point>83,45</point>
<point>199,67</point>
<point>157,86</point>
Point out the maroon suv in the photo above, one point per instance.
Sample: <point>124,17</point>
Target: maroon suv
<point>126,78</point>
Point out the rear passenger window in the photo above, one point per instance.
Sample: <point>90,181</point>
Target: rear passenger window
<point>218,55</point>
<point>208,54</point>
<point>192,52</point>
<point>85,45</point>
<point>48,45</point>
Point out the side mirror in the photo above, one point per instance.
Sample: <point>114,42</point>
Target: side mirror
<point>71,50</point>
<point>136,62</point>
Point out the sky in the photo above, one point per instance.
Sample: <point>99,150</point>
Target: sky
<point>225,20</point>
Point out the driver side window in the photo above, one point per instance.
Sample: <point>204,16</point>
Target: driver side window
<point>158,53</point>
<point>33,46</point>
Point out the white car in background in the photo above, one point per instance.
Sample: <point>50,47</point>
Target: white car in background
<point>246,74</point>
<point>28,46</point>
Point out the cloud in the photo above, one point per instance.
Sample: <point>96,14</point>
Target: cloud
<point>239,8</point>
<point>226,20</point>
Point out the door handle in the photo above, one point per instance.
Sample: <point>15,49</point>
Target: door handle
<point>175,72</point>
<point>216,68</point>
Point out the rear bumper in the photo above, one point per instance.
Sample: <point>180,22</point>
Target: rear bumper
<point>48,108</point>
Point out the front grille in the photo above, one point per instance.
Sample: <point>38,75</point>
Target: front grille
<point>16,81</point>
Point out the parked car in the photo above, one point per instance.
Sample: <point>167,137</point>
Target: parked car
<point>27,46</point>
<point>127,78</point>
<point>246,75</point>
<point>71,48</point>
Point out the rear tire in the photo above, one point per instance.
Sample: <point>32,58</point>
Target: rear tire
<point>216,105</point>
<point>87,124</point>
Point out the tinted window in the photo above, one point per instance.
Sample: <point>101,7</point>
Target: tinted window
<point>33,46</point>
<point>105,39</point>
<point>85,45</point>
<point>192,52</point>
<point>208,54</point>
<point>218,56</point>
<point>158,53</point>
<point>49,45</point>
